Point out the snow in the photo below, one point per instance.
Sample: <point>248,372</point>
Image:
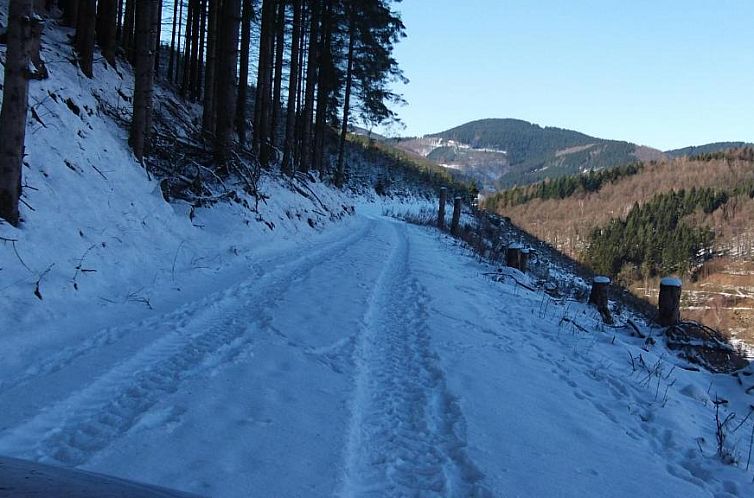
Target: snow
<point>361,356</point>
<point>671,282</point>
<point>601,279</point>
<point>373,359</point>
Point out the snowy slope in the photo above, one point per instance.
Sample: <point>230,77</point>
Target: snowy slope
<point>98,240</point>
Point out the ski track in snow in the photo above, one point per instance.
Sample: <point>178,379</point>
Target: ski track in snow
<point>407,433</point>
<point>211,332</point>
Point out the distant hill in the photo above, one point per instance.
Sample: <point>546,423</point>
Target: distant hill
<point>690,216</point>
<point>503,152</point>
<point>707,148</point>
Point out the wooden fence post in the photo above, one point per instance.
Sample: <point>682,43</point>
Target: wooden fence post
<point>441,209</point>
<point>456,216</point>
<point>669,303</point>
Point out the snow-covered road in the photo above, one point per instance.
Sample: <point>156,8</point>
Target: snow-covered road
<point>373,360</point>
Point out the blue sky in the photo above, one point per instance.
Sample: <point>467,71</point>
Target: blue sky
<point>663,73</point>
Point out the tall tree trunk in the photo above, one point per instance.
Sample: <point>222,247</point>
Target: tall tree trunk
<point>199,82</point>
<point>85,27</point>
<point>157,41</point>
<point>171,56</point>
<point>107,26</point>
<point>277,85</point>
<point>268,145</point>
<point>128,29</point>
<point>178,50</point>
<point>119,29</point>
<point>311,80</point>
<point>141,123</point>
<point>290,120</point>
<point>15,106</point>
<point>324,84</point>
<point>194,66</point>
<point>243,80</point>
<point>208,111</point>
<point>71,13</point>
<point>225,95</point>
<point>188,39</point>
<point>340,176</point>
<point>300,87</point>
<point>261,135</point>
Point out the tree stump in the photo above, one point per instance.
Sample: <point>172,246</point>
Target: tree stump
<point>523,260</point>
<point>441,209</point>
<point>669,303</point>
<point>454,225</point>
<point>598,297</point>
<point>513,256</point>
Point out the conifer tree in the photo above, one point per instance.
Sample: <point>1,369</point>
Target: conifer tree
<point>85,35</point>
<point>290,121</point>
<point>243,79</point>
<point>225,90</point>
<point>141,123</point>
<point>106,29</point>
<point>14,106</point>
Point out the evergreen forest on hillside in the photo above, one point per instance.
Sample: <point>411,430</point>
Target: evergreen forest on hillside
<point>654,236</point>
<point>654,218</point>
<point>320,65</point>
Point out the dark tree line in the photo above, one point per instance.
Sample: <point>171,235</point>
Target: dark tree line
<point>562,187</point>
<point>653,237</point>
<point>319,65</point>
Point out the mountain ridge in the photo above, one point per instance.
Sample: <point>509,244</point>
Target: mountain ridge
<point>502,152</point>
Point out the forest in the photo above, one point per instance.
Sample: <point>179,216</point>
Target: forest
<point>533,153</point>
<point>277,82</point>
<point>563,186</point>
<point>565,211</point>
<point>654,237</point>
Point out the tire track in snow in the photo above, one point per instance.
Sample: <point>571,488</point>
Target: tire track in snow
<point>72,430</point>
<point>407,433</point>
<point>112,335</point>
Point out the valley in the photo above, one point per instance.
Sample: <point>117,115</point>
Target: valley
<point>572,214</point>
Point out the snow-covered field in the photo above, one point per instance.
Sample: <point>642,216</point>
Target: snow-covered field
<point>307,351</point>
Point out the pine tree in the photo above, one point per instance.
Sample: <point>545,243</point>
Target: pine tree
<point>141,123</point>
<point>277,78</point>
<point>208,111</point>
<point>243,80</point>
<point>352,34</point>
<point>262,108</point>
<point>225,90</point>
<point>14,106</point>
<point>85,35</point>
<point>106,29</point>
<point>171,55</point>
<point>311,81</point>
<point>128,31</point>
<point>70,12</point>
<point>290,122</point>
